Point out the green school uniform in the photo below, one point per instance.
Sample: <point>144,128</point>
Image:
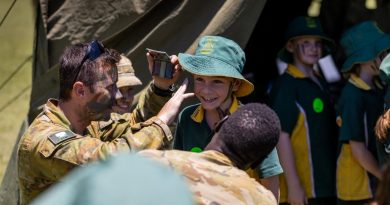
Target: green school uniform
<point>193,134</point>
<point>307,115</point>
<point>359,108</point>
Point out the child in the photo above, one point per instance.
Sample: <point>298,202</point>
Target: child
<point>307,144</point>
<point>216,68</point>
<point>360,105</point>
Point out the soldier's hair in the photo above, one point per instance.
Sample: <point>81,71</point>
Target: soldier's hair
<point>89,70</point>
<point>251,132</point>
<point>382,126</point>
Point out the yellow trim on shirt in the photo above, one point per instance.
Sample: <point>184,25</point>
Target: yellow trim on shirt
<point>198,114</point>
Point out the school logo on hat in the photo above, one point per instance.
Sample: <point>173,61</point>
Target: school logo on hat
<point>218,56</point>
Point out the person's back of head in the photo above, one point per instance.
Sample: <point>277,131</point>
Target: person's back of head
<point>248,135</point>
<point>84,62</point>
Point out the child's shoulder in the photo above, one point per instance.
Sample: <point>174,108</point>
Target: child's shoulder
<point>189,109</point>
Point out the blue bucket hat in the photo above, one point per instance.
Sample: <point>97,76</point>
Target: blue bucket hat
<point>218,56</point>
<point>363,42</point>
<point>122,179</point>
<point>305,26</point>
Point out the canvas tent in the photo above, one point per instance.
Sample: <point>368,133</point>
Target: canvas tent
<point>129,26</point>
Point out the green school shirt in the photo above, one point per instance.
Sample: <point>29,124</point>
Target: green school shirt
<point>359,108</point>
<point>307,115</point>
<point>193,134</point>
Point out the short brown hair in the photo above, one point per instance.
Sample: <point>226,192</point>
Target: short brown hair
<point>73,62</point>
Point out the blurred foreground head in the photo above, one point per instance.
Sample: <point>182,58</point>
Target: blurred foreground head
<point>123,179</point>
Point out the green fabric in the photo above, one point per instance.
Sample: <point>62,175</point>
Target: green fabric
<point>218,56</point>
<point>292,96</point>
<point>305,26</point>
<point>363,42</point>
<point>123,179</point>
<point>186,139</point>
<point>359,110</point>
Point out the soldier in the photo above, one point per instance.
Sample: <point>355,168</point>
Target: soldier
<point>216,175</point>
<point>127,81</point>
<point>57,140</point>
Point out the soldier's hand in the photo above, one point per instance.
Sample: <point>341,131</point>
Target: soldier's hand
<point>168,113</point>
<point>165,83</point>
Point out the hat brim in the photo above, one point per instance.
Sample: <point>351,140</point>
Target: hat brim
<point>383,44</point>
<point>127,79</point>
<point>364,55</point>
<point>287,57</point>
<point>209,66</point>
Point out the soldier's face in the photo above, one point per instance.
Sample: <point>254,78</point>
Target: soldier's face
<point>123,104</point>
<point>101,100</point>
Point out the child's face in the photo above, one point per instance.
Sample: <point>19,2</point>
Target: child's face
<point>213,90</point>
<point>306,50</point>
<point>370,67</point>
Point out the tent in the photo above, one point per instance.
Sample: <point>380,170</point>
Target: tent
<point>174,26</point>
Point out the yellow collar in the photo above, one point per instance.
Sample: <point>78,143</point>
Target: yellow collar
<point>198,114</point>
<point>295,72</point>
<point>358,82</point>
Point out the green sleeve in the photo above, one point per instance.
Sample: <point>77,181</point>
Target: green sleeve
<point>351,112</point>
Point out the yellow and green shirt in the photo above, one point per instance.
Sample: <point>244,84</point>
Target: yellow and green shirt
<point>358,110</point>
<point>307,115</point>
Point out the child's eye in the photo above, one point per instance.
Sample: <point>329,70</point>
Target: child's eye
<point>199,79</point>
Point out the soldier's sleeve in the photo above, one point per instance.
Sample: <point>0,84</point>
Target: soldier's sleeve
<point>151,134</point>
<point>62,150</point>
<point>149,103</point>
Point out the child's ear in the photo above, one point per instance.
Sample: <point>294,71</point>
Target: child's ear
<point>290,46</point>
<point>236,84</point>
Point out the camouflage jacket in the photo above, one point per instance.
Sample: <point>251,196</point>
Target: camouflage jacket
<point>213,178</point>
<point>49,149</point>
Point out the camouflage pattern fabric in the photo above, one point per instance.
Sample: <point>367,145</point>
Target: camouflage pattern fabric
<point>49,149</point>
<point>213,179</point>
<point>149,104</point>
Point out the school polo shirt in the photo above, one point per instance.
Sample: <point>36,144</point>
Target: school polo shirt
<point>358,110</point>
<point>307,115</point>
<point>193,134</point>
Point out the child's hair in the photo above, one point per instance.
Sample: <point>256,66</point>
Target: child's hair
<point>382,126</point>
<point>382,194</point>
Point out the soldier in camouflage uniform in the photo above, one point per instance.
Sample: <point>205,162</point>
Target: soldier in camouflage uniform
<point>57,140</point>
<point>216,175</point>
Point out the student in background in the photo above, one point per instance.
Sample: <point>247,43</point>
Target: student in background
<point>359,106</point>
<point>300,96</point>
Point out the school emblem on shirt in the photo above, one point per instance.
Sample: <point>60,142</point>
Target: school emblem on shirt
<point>318,105</point>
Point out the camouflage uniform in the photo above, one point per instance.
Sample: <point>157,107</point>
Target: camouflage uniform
<point>49,149</point>
<point>213,178</point>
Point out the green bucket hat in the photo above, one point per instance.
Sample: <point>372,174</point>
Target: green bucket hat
<point>218,56</point>
<point>305,26</point>
<point>363,42</point>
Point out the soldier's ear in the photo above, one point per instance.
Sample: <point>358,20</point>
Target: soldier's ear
<point>79,89</point>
